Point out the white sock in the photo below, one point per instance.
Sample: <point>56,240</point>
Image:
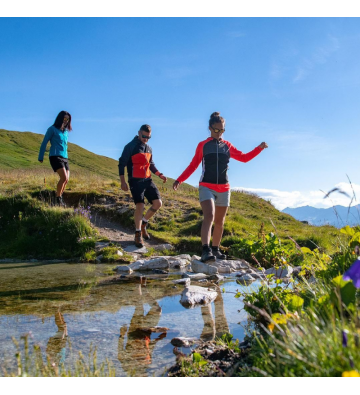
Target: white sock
<point>145,220</point>
<point>138,230</point>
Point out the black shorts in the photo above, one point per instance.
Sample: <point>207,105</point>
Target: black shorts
<point>144,187</point>
<point>57,162</point>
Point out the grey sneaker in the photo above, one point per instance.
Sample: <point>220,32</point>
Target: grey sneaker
<point>218,254</point>
<point>207,256</point>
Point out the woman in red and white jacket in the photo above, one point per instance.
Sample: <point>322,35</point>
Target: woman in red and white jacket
<point>214,188</point>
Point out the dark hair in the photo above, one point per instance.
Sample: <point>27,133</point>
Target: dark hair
<point>215,118</point>
<point>60,119</point>
<point>145,128</point>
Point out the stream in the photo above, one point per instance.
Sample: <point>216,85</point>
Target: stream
<point>68,308</point>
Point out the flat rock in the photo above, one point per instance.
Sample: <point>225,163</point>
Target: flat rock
<point>185,281</point>
<point>123,269</point>
<point>150,264</point>
<point>193,295</point>
<point>136,250</point>
<point>162,247</point>
<point>245,279</point>
<point>184,341</point>
<point>216,277</point>
<point>283,271</point>
<point>201,267</point>
<point>195,276</point>
<point>177,262</point>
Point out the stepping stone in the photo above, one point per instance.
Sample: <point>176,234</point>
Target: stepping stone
<point>134,249</point>
<point>193,295</point>
<point>185,281</point>
<point>201,267</point>
<point>195,276</point>
<point>283,271</point>
<point>245,279</point>
<point>123,269</point>
<point>184,341</point>
<point>150,264</point>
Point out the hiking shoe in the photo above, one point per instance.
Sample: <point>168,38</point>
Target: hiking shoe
<point>138,239</point>
<point>207,256</point>
<point>60,202</point>
<point>218,254</point>
<point>144,232</point>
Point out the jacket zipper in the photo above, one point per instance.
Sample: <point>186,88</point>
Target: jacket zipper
<point>217,162</point>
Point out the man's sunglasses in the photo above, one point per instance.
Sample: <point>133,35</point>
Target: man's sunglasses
<point>145,137</point>
<point>218,130</point>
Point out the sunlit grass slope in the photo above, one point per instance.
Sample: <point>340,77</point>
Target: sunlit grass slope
<point>178,221</point>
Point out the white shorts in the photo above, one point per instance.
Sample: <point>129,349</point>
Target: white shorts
<point>221,199</point>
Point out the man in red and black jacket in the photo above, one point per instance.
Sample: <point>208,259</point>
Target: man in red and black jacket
<point>137,157</point>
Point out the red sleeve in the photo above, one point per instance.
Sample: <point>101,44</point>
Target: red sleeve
<point>194,164</point>
<point>240,156</point>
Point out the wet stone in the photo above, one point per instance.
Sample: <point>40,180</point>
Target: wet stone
<point>184,341</point>
<point>245,279</point>
<point>150,264</point>
<point>123,269</point>
<point>195,276</point>
<point>281,272</point>
<point>193,295</point>
<point>201,267</point>
<point>185,281</point>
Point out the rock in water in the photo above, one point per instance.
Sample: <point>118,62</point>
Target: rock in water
<point>156,263</point>
<point>283,271</point>
<point>185,281</point>
<point>184,341</point>
<point>201,267</point>
<point>133,248</point>
<point>245,279</point>
<point>123,269</point>
<point>193,295</point>
<point>195,276</point>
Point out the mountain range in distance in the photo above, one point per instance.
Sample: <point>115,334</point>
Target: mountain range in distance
<point>338,216</point>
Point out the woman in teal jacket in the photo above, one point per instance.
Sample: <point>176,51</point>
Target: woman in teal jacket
<point>57,134</point>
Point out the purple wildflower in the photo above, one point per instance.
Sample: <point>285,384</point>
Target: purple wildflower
<point>353,273</point>
<point>344,338</point>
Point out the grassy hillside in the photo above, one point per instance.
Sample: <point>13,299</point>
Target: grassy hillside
<point>178,221</point>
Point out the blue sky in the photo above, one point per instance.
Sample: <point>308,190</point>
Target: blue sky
<point>292,82</point>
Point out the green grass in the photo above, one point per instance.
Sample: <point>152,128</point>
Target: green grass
<point>178,221</point>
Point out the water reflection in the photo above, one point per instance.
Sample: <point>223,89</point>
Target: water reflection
<point>214,326</point>
<point>56,345</point>
<point>135,346</point>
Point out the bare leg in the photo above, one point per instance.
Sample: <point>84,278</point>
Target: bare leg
<point>155,206</point>
<point>220,214</point>
<point>67,180</point>
<point>208,209</point>
<point>62,182</point>
<point>138,214</point>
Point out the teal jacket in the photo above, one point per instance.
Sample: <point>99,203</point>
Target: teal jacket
<point>58,141</point>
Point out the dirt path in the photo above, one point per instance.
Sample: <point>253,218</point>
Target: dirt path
<point>117,233</point>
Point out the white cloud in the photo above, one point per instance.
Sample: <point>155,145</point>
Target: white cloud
<point>319,56</point>
<point>283,199</point>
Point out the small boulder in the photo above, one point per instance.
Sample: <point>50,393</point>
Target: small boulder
<point>245,279</point>
<point>185,281</point>
<point>194,276</point>
<point>155,263</point>
<point>162,247</point>
<point>134,249</point>
<point>123,269</point>
<point>201,267</point>
<point>184,341</point>
<point>193,295</point>
<point>281,272</point>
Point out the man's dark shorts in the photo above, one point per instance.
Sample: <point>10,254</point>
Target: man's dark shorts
<point>57,162</point>
<point>143,188</point>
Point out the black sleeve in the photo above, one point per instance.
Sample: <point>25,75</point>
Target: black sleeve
<point>124,159</point>
<point>152,166</point>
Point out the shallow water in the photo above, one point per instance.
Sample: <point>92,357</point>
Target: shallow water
<point>54,300</point>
